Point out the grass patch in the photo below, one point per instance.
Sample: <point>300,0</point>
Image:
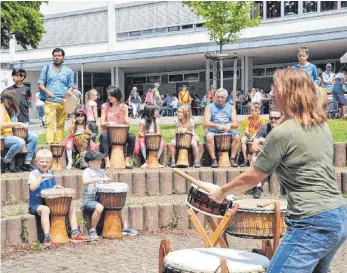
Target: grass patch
<point>168,131</point>
<point>344,195</point>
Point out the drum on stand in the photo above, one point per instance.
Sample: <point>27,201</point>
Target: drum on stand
<point>22,133</point>
<point>183,142</point>
<point>70,103</point>
<point>117,136</point>
<point>58,201</point>
<point>152,145</point>
<point>199,200</point>
<point>252,221</point>
<point>58,160</point>
<point>223,145</point>
<point>208,260</point>
<point>112,196</point>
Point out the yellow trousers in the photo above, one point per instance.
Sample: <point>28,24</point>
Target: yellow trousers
<point>54,115</point>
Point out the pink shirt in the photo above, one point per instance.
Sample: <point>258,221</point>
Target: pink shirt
<point>89,108</point>
<point>112,116</point>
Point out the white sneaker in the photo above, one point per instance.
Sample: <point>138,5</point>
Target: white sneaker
<point>144,166</point>
<point>69,166</point>
<point>161,166</point>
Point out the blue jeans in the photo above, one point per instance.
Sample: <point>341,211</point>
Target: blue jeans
<point>310,243</point>
<point>15,145</point>
<point>40,111</point>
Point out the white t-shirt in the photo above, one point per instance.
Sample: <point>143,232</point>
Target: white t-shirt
<point>257,97</point>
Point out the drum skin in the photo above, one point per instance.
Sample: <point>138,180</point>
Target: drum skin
<point>70,103</point>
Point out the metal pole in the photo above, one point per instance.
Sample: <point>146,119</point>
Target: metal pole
<point>214,67</point>
<point>207,78</point>
<point>235,82</point>
<point>82,82</point>
<point>221,73</point>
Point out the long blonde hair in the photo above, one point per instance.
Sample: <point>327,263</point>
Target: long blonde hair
<point>187,116</point>
<point>296,93</point>
<point>89,95</point>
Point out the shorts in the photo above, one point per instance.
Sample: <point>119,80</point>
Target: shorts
<point>33,209</point>
<point>248,138</point>
<point>90,205</point>
<point>233,133</point>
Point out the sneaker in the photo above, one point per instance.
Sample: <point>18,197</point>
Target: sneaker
<point>47,243</point>
<point>93,236</point>
<point>233,163</point>
<point>257,193</point>
<point>197,164</point>
<point>161,166</point>
<point>130,231</point>
<point>69,166</point>
<point>173,164</point>
<point>244,163</point>
<point>78,238</point>
<point>214,163</point>
<point>27,167</point>
<point>144,166</point>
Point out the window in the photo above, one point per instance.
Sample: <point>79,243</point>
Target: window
<point>273,9</point>
<point>122,34</point>
<point>309,6</point>
<point>291,7</point>
<point>271,70</point>
<point>343,4</point>
<point>258,9</point>
<point>139,80</point>
<point>170,29</point>
<point>160,30</point>
<point>259,72</point>
<point>153,79</point>
<point>176,78</point>
<point>328,5</point>
<point>199,25</point>
<point>147,32</point>
<point>135,33</point>
<point>191,77</point>
<point>187,27</point>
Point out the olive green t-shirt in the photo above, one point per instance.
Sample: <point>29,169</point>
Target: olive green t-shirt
<point>303,163</point>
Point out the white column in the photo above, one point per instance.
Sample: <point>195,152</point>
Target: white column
<point>111,26</point>
<point>248,73</point>
<point>12,47</point>
<point>82,82</point>
<point>242,72</point>
<point>118,78</point>
<point>112,76</point>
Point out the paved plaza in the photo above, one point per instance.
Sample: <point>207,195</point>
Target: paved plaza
<point>131,255</point>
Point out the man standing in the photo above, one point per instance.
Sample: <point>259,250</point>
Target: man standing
<point>328,78</point>
<point>220,117</point>
<point>56,81</point>
<point>134,101</point>
<point>156,94</point>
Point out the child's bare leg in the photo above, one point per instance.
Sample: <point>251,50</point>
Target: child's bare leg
<point>44,212</point>
<point>72,218</point>
<point>143,150</point>
<point>96,215</point>
<point>196,153</point>
<point>107,162</point>
<point>244,147</point>
<point>173,152</point>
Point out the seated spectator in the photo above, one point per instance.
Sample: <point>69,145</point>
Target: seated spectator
<point>252,124</point>
<point>167,103</point>
<point>174,104</point>
<point>221,117</point>
<point>9,107</point>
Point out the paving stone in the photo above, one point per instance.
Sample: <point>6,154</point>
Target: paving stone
<point>165,181</point>
<point>79,186</point>
<point>340,156</point>
<point>114,176</point>
<point>14,189</point>
<point>152,182</point>
<point>70,181</point>
<point>150,217</point>
<point>126,177</point>
<point>220,177</point>
<point>59,179</point>
<point>179,184</point>
<point>136,217</point>
<point>13,230</point>
<point>139,180</point>
<point>29,222</point>
<point>3,232</point>
<point>3,191</point>
<point>206,175</point>
<point>24,189</point>
<point>166,216</point>
<point>344,182</point>
<point>181,215</point>
<point>194,173</point>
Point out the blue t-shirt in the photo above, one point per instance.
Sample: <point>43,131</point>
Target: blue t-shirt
<point>311,70</point>
<point>58,82</point>
<point>220,115</point>
<point>35,196</point>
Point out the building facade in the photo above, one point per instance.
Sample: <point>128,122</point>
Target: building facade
<point>140,43</point>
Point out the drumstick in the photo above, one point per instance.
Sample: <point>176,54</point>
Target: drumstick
<point>193,180</point>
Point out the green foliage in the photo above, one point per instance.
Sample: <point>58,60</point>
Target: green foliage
<point>224,19</point>
<point>24,231</point>
<point>22,19</point>
<point>35,247</point>
<point>80,220</point>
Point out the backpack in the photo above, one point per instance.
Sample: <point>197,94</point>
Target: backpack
<point>149,97</point>
<point>43,95</point>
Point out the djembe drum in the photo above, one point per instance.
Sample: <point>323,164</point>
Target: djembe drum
<point>58,201</point>
<point>112,196</point>
<point>57,152</point>
<point>199,200</point>
<point>22,133</point>
<point>183,142</point>
<point>208,260</point>
<point>117,135</point>
<point>152,142</point>
<point>223,145</point>
<point>252,221</point>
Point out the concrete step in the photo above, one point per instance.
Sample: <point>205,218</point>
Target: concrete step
<point>150,182</point>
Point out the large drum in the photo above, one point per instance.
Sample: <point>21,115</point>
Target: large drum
<point>117,136</point>
<point>183,142</point>
<point>112,196</point>
<point>58,160</point>
<point>58,201</point>
<point>207,260</point>
<point>22,133</point>
<point>152,142</point>
<point>223,145</point>
<point>199,200</point>
<point>252,221</point>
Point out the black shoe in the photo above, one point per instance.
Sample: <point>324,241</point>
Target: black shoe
<point>244,163</point>
<point>7,168</point>
<point>257,193</point>
<point>27,167</point>
<point>214,163</point>
<point>43,123</point>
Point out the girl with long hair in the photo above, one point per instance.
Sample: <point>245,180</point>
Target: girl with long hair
<point>300,151</point>
<point>185,124</point>
<point>92,111</point>
<point>148,125</point>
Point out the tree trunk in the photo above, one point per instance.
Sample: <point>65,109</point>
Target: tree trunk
<point>235,82</point>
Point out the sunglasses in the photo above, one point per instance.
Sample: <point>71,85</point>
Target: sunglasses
<point>79,115</point>
<point>274,118</point>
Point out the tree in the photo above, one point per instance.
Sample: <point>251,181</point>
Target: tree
<point>23,20</point>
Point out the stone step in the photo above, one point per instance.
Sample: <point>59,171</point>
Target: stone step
<point>150,182</point>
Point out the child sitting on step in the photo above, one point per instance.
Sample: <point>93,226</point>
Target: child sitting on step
<point>40,179</point>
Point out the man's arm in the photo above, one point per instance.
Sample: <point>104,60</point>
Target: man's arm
<point>235,123</point>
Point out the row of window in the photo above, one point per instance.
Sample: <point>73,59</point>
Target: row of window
<point>274,8</point>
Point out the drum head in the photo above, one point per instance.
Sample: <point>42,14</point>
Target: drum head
<point>113,187</point>
<point>70,103</point>
<point>208,260</point>
<point>253,204</point>
<point>56,193</point>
